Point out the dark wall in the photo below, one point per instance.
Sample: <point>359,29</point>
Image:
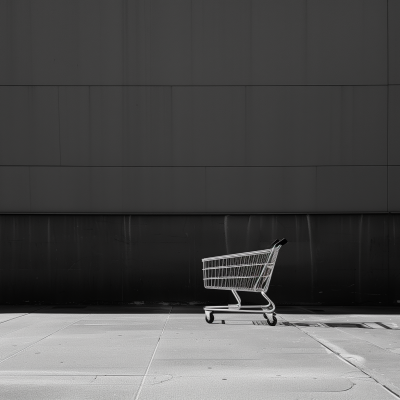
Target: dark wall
<point>199,106</point>
<point>202,108</point>
<point>196,42</point>
<point>342,259</point>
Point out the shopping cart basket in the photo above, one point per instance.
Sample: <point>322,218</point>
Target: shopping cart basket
<point>249,272</point>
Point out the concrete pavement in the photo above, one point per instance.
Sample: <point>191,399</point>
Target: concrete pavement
<point>170,352</point>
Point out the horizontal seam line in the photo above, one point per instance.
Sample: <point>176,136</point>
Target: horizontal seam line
<point>205,85</point>
<point>196,166</point>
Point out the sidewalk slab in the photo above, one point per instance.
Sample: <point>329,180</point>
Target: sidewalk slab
<point>168,352</point>
<point>69,387</point>
<point>236,388</point>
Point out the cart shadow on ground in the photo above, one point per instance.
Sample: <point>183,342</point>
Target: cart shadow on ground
<point>358,325</point>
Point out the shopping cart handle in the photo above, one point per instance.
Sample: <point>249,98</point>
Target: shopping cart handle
<point>279,242</point>
<point>274,242</point>
<point>282,242</point>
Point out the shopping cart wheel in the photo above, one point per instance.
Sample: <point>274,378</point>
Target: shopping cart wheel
<point>210,320</point>
<point>269,322</point>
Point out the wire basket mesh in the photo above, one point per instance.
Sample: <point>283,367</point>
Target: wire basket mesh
<point>244,271</point>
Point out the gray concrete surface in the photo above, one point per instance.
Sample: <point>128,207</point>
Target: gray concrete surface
<point>170,352</point>
<point>258,42</point>
<point>106,104</point>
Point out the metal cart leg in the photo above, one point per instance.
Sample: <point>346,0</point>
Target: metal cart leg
<point>269,309</point>
<point>238,299</point>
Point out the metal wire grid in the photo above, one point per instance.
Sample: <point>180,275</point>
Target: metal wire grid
<point>244,271</point>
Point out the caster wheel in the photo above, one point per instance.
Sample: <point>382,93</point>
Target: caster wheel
<point>211,319</point>
<point>272,322</point>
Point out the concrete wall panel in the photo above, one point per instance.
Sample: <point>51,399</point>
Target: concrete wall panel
<point>117,189</point>
<point>310,125</point>
<point>62,42</point>
<point>278,42</point>
<point>221,42</point>
<point>154,189</point>
<point>60,189</point>
<point>153,255</point>
<point>95,42</point>
<point>352,189</point>
<point>168,43</point>
<point>118,257</point>
<point>351,254</point>
<point>394,189</point>
<point>261,189</point>
<point>75,130</point>
<point>159,148</point>
<point>319,42</point>
<point>107,189</point>
<point>394,256</point>
<point>54,38</point>
<point>29,125</point>
<point>194,189</point>
<point>208,125</point>
<point>102,42</point>
<point>394,41</point>
<point>394,125</point>
<point>14,188</point>
<point>116,126</point>
<point>15,46</point>
<point>346,42</point>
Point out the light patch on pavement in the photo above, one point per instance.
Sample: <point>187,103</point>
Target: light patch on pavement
<point>335,348</point>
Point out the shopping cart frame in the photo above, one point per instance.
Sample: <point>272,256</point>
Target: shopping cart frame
<point>266,268</point>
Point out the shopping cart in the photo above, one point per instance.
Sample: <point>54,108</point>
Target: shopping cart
<point>249,272</point>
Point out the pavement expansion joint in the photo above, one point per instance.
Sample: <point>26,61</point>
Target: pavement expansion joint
<point>22,315</point>
<point>152,357</point>
<point>391,391</point>
<point>37,341</point>
<point>354,360</point>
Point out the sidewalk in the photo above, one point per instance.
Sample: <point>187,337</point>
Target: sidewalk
<point>165,352</point>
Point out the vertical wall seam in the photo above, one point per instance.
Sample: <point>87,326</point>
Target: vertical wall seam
<point>172,128</point>
<point>250,68</point>
<point>191,42</point>
<point>387,106</point>
<point>312,261</point>
<point>358,291</point>
<point>245,126</point>
<point>316,190</point>
<point>306,46</point>
<point>30,189</point>
<point>205,189</point>
<point>387,153</point>
<point>59,123</point>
